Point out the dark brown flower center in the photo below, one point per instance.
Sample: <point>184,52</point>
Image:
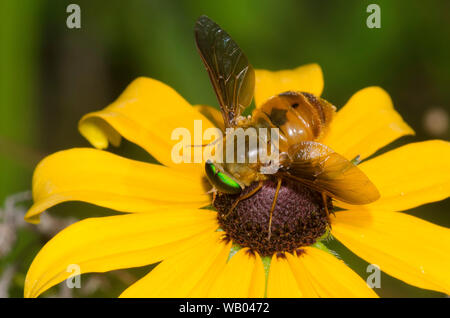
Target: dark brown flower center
<point>299,217</point>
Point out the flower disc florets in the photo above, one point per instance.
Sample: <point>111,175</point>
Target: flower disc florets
<point>299,217</point>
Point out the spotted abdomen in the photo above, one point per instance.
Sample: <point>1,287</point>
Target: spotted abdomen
<point>299,117</point>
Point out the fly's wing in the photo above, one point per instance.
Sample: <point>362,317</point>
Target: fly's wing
<point>324,170</point>
<point>231,74</point>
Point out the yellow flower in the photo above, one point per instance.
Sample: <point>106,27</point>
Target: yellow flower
<point>165,223</point>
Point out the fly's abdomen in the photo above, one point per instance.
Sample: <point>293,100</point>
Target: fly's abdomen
<point>298,116</point>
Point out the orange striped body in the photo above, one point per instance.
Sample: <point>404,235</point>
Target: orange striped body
<point>298,117</point>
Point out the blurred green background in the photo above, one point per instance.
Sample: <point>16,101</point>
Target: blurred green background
<point>51,75</point>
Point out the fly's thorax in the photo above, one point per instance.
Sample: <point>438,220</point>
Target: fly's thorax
<point>298,116</point>
<point>241,154</point>
<point>244,173</point>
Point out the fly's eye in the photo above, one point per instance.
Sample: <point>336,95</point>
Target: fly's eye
<point>222,182</point>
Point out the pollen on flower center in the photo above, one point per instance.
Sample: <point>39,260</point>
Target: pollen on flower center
<point>299,217</point>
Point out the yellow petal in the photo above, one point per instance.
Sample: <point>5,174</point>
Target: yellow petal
<point>365,124</point>
<point>242,277</point>
<point>307,78</point>
<point>146,113</point>
<point>213,114</point>
<point>410,176</point>
<point>204,284</point>
<point>108,180</point>
<point>410,249</point>
<point>303,277</point>
<point>123,241</point>
<point>320,274</point>
<point>281,281</point>
<point>178,276</point>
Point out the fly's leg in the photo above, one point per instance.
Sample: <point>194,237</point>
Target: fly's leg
<point>273,206</point>
<point>214,196</point>
<point>208,144</point>
<point>246,196</point>
<point>325,204</point>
